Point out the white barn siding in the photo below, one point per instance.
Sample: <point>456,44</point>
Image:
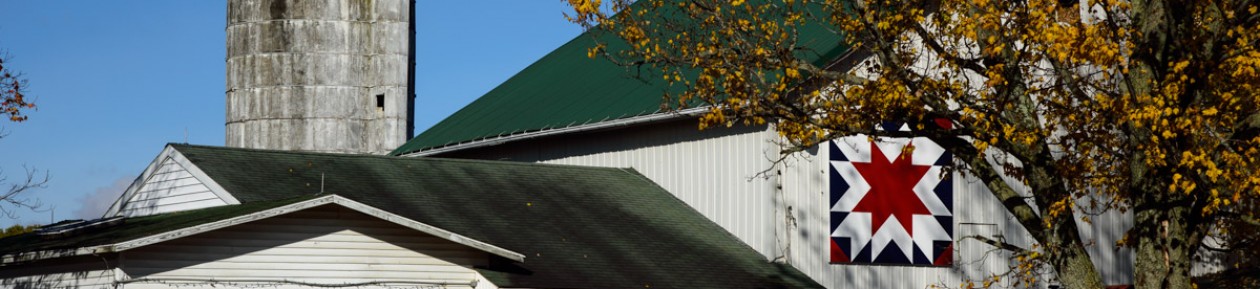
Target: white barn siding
<point>785,216</point>
<point>1101,234</point>
<point>714,171</point>
<point>806,193</point>
<point>171,188</point>
<point>976,213</point>
<point>169,184</point>
<point>83,272</point>
<point>326,245</point>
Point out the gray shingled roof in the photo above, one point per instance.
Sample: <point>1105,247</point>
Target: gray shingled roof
<point>579,227</point>
<point>134,228</point>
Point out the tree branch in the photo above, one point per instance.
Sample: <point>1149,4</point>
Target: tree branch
<point>999,244</point>
<point>980,166</point>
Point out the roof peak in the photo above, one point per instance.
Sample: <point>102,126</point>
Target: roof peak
<point>177,146</point>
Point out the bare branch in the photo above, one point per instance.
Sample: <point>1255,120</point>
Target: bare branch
<point>14,195</point>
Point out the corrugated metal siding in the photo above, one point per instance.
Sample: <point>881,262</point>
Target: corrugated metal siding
<point>1105,228</point>
<point>977,212</point>
<point>325,245</point>
<point>1209,262</point>
<point>170,188</point>
<point>714,171</point>
<point>805,190</point>
<point>77,272</point>
<point>711,170</point>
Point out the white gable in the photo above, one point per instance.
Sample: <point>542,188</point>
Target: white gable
<point>170,183</point>
<point>319,243</point>
<point>324,246</point>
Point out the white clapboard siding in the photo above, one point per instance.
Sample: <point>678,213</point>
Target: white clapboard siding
<point>327,246</point>
<point>714,171</point>
<point>169,187</point>
<point>77,272</point>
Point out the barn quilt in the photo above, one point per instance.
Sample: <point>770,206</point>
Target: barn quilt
<point>891,201</point>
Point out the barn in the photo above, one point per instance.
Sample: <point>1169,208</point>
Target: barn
<point>806,210</point>
<point>213,217</point>
<point>567,175</point>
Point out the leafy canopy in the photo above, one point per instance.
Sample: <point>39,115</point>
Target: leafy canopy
<point>1154,106</point>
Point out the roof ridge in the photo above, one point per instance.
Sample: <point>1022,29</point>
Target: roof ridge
<point>390,157</point>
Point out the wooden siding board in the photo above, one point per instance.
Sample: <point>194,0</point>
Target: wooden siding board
<point>75,272</point>
<point>177,197</point>
<point>175,179</point>
<point>325,245</point>
<point>169,188</point>
<point>313,258</point>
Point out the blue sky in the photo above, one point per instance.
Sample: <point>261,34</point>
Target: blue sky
<point>117,80</point>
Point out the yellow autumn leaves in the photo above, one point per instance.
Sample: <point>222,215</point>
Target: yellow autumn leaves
<point>1023,77</point>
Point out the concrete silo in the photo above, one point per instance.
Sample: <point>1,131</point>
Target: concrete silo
<point>320,75</point>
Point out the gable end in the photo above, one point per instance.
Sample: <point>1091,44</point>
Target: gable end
<point>170,184</point>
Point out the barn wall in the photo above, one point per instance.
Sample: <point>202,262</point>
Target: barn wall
<point>977,213</point>
<point>806,191</point>
<point>714,171</point>
<point>1106,227</point>
<point>785,216</point>
<point>82,272</point>
<point>327,245</point>
<point>171,187</point>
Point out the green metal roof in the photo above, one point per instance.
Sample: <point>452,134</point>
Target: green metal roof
<point>566,88</point>
<point>579,227</point>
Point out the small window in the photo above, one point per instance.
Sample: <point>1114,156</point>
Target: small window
<point>380,102</point>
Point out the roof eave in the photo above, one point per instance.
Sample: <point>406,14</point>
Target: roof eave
<point>621,122</point>
<point>189,231</point>
<point>844,62</point>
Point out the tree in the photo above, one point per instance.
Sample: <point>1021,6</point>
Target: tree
<point>1154,106</point>
<point>18,230</point>
<point>13,105</point>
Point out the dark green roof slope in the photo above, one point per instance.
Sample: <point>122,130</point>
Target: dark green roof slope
<point>566,88</point>
<point>135,228</point>
<point>579,227</point>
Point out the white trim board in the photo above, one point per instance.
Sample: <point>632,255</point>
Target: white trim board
<point>319,201</point>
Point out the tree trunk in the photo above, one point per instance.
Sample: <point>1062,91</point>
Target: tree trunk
<point>1165,247</point>
<point>1069,258</point>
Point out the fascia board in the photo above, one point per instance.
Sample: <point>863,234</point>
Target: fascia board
<point>330,199</point>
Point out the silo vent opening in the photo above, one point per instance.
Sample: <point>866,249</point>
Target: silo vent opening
<point>380,102</point>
